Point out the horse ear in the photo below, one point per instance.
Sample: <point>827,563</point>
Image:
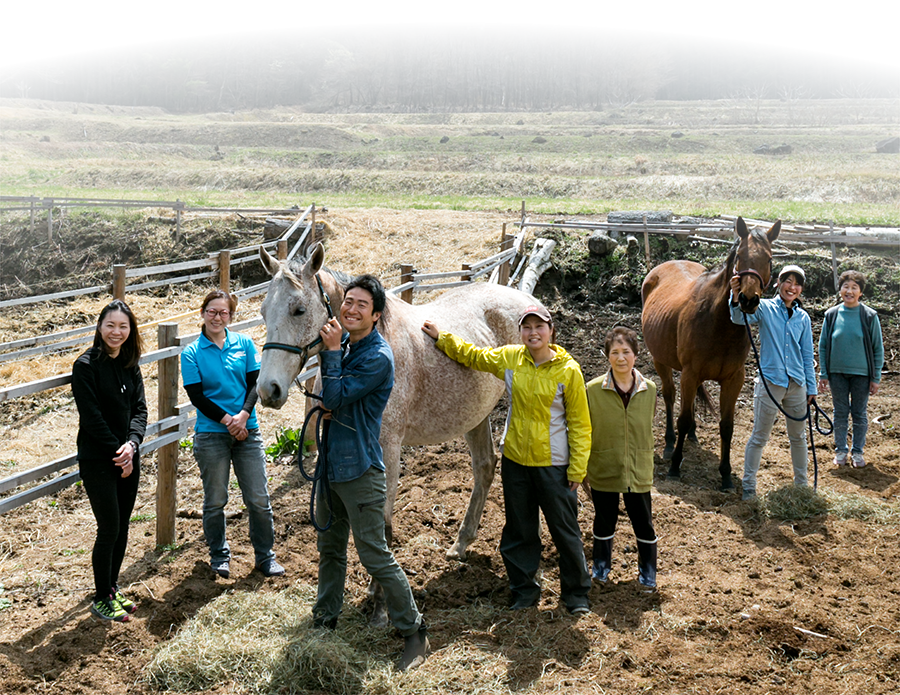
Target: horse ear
<point>774,231</point>
<point>270,263</point>
<point>316,259</point>
<point>741,228</point>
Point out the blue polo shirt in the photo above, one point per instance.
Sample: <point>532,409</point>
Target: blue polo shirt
<point>223,375</point>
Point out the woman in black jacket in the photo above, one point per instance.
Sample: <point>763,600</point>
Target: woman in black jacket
<point>112,412</point>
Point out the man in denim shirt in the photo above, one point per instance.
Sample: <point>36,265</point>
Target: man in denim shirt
<point>357,379</point>
<point>786,359</point>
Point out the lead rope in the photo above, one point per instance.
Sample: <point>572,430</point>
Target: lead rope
<point>808,416</point>
<point>319,475</point>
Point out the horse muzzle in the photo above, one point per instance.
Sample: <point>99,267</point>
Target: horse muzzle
<point>749,305</point>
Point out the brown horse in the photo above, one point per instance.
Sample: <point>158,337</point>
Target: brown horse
<point>687,327</point>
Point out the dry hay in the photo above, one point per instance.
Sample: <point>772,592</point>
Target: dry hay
<point>265,643</point>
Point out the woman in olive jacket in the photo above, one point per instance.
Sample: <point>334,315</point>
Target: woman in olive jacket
<point>622,404</point>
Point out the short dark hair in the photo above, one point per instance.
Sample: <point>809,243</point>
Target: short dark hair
<point>133,346</point>
<point>853,276</point>
<point>623,333</point>
<point>373,286</point>
<point>220,294</point>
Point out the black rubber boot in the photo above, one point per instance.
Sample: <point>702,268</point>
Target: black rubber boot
<point>415,650</point>
<point>602,559</point>
<point>647,564</point>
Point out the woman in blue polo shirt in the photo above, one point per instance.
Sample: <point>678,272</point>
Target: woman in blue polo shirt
<point>220,370</point>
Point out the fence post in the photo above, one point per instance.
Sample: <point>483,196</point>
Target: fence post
<point>118,284</point>
<point>179,206</point>
<point>225,270</point>
<point>406,275</point>
<point>646,242</point>
<point>313,233</point>
<point>834,260</point>
<point>31,228</point>
<point>466,277</point>
<point>281,249</point>
<point>49,203</point>
<point>506,242</point>
<point>167,456</point>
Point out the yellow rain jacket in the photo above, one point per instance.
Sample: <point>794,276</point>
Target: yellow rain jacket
<point>548,423</point>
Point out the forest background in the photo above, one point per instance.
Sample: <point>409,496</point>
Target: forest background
<point>458,66</point>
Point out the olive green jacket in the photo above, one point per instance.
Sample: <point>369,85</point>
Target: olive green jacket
<point>621,457</point>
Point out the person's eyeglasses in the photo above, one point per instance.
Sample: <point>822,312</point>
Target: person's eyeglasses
<point>212,313</point>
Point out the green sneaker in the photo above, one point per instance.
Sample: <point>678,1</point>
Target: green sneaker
<point>109,609</point>
<point>127,604</point>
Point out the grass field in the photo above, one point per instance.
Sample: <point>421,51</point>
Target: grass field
<point>691,157</point>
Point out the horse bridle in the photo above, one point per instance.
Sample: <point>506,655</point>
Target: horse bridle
<point>303,351</point>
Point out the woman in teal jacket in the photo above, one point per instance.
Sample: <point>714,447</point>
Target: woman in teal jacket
<point>622,403</point>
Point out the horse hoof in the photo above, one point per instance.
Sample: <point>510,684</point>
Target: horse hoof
<point>727,486</point>
<point>667,453</point>
<point>456,553</point>
<point>673,476</point>
<point>693,439</point>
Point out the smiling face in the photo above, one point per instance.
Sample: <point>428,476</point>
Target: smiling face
<point>115,329</point>
<point>790,289</point>
<point>536,334</point>
<point>850,294</point>
<point>357,314</point>
<point>216,316</point>
<point>621,360</point>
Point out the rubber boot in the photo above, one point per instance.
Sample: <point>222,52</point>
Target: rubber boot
<point>647,564</point>
<point>602,559</point>
<point>415,648</point>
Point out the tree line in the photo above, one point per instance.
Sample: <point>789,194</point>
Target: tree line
<point>432,72</point>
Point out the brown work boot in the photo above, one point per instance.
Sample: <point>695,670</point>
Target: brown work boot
<point>415,650</point>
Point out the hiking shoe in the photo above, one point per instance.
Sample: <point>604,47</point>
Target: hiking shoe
<point>127,604</point>
<point>579,610</point>
<point>857,460</point>
<point>747,495</point>
<point>524,602</point>
<point>109,609</point>
<point>271,568</point>
<point>840,458</point>
<point>221,567</point>
<point>325,624</point>
<point>415,649</point>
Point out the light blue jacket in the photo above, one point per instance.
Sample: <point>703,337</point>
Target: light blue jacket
<point>356,384</point>
<point>785,342</point>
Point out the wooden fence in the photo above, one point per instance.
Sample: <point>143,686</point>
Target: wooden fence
<point>173,419</point>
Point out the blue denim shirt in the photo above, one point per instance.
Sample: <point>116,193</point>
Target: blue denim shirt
<point>785,343</point>
<point>356,384</point>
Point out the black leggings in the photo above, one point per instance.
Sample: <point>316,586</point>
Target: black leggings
<point>638,506</point>
<point>112,501</point>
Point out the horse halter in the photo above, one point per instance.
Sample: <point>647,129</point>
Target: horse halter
<point>304,350</point>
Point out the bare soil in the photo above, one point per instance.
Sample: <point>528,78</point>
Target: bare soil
<point>740,596</point>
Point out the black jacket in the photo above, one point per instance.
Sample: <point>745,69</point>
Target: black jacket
<point>111,405</point>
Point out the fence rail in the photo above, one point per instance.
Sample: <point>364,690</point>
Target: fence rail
<point>165,433</point>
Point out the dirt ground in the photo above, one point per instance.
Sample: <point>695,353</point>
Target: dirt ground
<point>747,603</point>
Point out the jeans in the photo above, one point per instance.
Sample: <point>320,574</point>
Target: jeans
<point>850,396</point>
<point>215,453</point>
<point>358,506</point>
<point>793,400</point>
<point>112,500</point>
<point>526,490</point>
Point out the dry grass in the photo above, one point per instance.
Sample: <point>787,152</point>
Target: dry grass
<point>796,503</point>
<point>264,643</point>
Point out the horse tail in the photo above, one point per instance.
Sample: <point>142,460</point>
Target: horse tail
<point>704,396</point>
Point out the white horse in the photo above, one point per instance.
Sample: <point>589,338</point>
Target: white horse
<point>434,398</point>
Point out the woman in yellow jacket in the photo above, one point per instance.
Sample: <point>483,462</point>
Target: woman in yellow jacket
<point>622,403</point>
<point>544,448</point>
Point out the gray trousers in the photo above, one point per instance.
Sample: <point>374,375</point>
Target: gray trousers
<point>793,400</point>
<point>358,506</point>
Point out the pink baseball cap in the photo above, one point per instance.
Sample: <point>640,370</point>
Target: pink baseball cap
<point>535,310</point>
